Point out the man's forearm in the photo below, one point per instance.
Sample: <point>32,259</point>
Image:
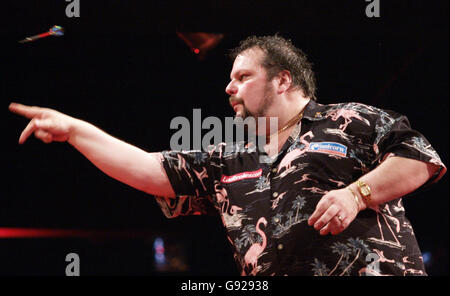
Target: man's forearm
<point>394,178</point>
<point>120,160</point>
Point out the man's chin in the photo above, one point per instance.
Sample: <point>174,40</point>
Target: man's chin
<point>243,114</point>
<point>250,126</point>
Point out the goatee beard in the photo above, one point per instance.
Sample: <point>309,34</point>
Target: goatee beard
<point>266,103</point>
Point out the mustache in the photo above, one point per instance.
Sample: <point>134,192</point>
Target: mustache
<point>235,100</point>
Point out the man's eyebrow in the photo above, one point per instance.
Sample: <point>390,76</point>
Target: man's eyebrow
<point>238,72</point>
<point>234,74</point>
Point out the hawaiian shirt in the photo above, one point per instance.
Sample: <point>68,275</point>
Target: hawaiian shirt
<point>265,205</point>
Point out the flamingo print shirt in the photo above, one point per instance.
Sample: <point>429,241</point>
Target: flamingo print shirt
<point>265,203</point>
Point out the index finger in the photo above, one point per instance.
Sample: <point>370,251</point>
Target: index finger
<point>29,129</point>
<point>27,111</point>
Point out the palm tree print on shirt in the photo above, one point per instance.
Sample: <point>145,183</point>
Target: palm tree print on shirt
<point>294,216</point>
<point>249,235</point>
<point>343,251</point>
<point>263,183</point>
<point>354,249</point>
<point>320,268</point>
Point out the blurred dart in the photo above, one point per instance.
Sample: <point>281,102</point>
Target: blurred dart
<point>54,31</point>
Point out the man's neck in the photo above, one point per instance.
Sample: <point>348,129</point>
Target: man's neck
<point>291,109</point>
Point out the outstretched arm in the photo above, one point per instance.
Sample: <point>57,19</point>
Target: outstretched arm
<point>117,159</point>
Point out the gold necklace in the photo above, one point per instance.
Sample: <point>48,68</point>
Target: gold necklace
<point>290,123</point>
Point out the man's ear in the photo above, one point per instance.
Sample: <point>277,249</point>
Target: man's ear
<point>284,81</point>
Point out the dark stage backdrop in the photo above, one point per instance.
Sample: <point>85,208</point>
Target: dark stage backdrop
<point>122,67</point>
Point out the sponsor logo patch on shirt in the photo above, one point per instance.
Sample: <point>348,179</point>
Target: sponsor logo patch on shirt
<point>241,176</point>
<point>332,148</point>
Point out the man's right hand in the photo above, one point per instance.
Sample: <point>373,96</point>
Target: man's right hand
<point>47,124</point>
<point>116,158</point>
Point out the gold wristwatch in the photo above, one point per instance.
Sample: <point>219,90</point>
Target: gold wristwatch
<point>365,191</point>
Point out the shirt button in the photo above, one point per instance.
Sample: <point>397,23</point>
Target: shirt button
<point>276,220</point>
<point>275,194</point>
<point>280,247</point>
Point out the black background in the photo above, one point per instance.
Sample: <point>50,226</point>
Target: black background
<point>122,67</point>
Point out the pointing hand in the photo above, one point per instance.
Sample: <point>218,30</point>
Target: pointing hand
<point>47,124</point>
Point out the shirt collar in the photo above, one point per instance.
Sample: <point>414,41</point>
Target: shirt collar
<point>314,111</point>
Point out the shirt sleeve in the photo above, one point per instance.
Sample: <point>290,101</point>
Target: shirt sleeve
<point>394,137</point>
<point>192,175</point>
<point>186,205</point>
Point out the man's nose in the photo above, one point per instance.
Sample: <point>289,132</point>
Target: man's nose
<point>231,89</point>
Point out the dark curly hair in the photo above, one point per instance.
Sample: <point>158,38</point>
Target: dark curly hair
<point>281,54</point>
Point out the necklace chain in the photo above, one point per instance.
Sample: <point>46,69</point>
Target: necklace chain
<point>290,123</point>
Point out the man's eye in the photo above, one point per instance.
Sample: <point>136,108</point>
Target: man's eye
<point>243,76</point>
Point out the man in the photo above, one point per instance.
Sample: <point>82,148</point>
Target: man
<point>327,201</point>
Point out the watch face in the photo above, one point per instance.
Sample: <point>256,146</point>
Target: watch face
<point>364,189</point>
